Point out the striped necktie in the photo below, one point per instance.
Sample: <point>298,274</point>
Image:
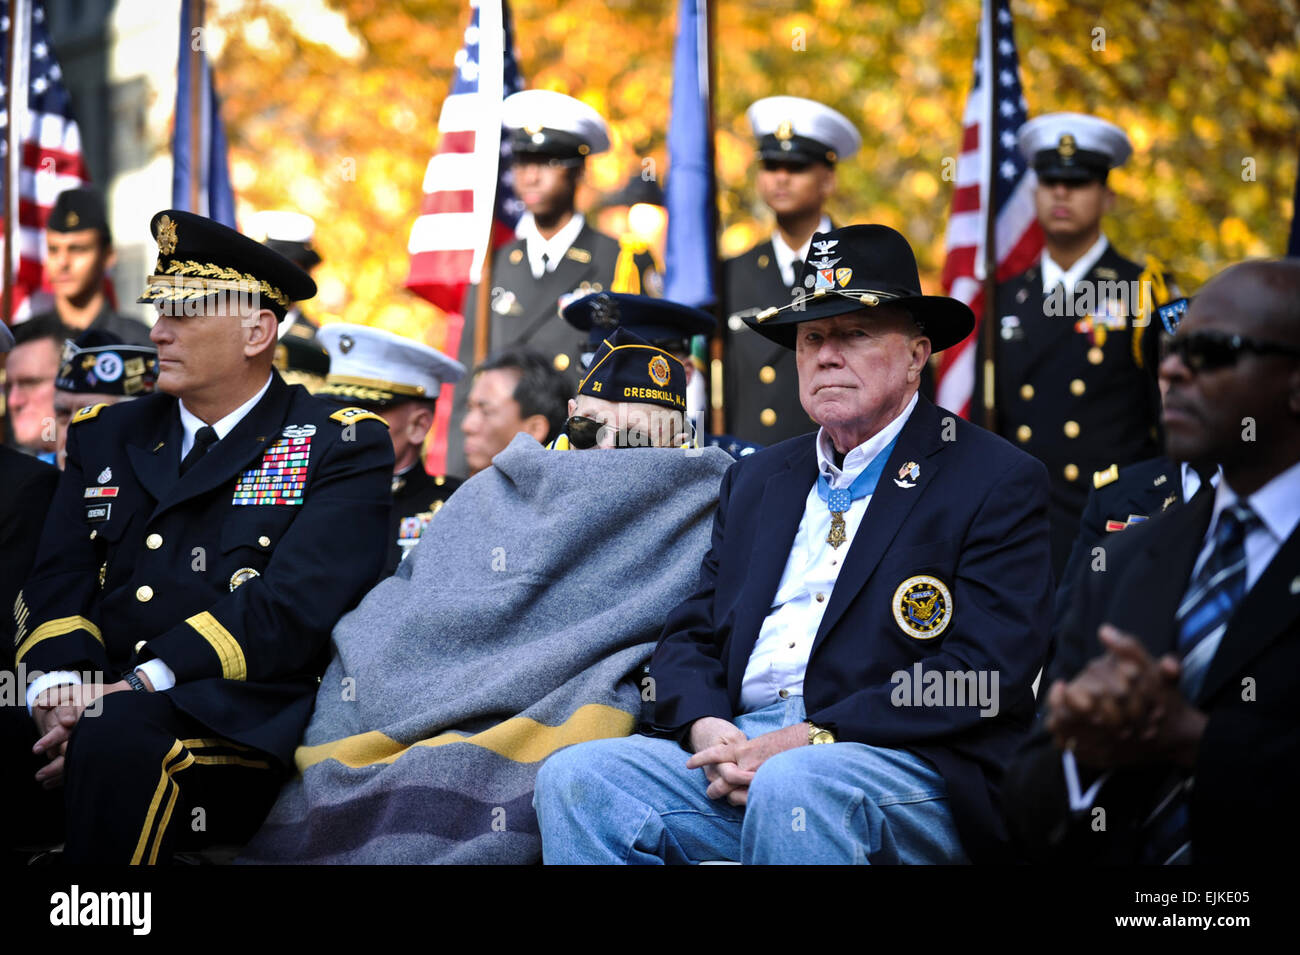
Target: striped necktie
<point>1202,620</point>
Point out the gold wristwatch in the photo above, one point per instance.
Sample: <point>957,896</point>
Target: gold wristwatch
<point>818,735</point>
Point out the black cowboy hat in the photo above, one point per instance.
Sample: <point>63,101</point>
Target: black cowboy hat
<point>858,268</point>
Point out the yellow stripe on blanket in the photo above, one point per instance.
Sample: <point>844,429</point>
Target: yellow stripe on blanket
<point>520,739</point>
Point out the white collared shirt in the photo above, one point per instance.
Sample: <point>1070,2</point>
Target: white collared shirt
<point>788,260</point>
<point>1054,275</point>
<point>190,423</point>
<point>1192,480</point>
<point>160,674</point>
<point>554,248</point>
<point>780,655</point>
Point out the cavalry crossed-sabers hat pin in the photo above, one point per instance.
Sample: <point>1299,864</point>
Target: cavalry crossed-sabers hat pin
<point>908,474</point>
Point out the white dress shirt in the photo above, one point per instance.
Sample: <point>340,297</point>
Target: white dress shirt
<point>535,246</point>
<point>788,260</point>
<point>160,674</point>
<point>1054,275</point>
<point>780,655</point>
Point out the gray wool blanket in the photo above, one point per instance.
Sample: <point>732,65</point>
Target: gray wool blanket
<point>517,626</point>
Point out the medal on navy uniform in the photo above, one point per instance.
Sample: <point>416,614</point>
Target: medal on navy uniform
<point>839,501</point>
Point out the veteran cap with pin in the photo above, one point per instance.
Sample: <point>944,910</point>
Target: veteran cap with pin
<point>659,322</point>
<point>99,362</point>
<point>550,125</point>
<point>201,261</point>
<point>793,129</point>
<point>627,368</point>
<point>861,268</point>
<point>78,209</point>
<point>378,368</point>
<point>1073,147</point>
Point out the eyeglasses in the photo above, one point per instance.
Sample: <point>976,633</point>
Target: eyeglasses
<point>587,433</point>
<point>1210,350</point>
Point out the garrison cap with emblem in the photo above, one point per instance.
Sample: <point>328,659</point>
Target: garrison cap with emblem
<point>552,125</point>
<point>378,368</point>
<point>289,233</point>
<point>793,129</point>
<point>661,323</point>
<point>201,259</point>
<point>77,209</point>
<point>626,367</point>
<point>101,363</point>
<point>858,268</point>
<point>1073,146</point>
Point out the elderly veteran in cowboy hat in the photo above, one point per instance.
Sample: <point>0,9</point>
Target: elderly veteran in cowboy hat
<point>202,542</point>
<point>858,654</point>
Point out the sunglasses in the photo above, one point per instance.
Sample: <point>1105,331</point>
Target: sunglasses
<point>587,433</point>
<point>1209,350</point>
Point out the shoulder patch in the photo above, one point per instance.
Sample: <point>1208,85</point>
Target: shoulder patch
<point>1101,478</point>
<point>88,412</point>
<point>353,415</point>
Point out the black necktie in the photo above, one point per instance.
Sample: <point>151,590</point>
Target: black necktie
<point>204,438</point>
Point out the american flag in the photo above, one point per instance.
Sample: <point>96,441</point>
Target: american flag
<point>467,185</point>
<point>994,113</point>
<point>49,159</point>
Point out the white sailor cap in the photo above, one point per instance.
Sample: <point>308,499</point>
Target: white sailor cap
<point>1073,146</point>
<point>375,367</point>
<point>547,123</point>
<point>289,233</point>
<point>794,129</point>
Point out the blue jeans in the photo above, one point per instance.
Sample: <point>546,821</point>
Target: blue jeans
<point>632,800</point>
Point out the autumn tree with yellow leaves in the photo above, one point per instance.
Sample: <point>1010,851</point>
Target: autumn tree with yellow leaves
<point>1208,90</point>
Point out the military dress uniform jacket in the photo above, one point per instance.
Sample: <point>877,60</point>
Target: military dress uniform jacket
<point>973,515</point>
<point>1077,391</point>
<point>417,498</point>
<point>761,380</point>
<point>234,586</point>
<point>28,488</point>
<point>1246,788</point>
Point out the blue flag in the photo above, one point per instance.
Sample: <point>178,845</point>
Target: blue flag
<point>691,248</point>
<point>216,198</point>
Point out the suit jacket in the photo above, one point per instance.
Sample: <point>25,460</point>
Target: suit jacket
<point>28,487</point>
<point>236,594</point>
<point>525,311</point>
<point>1246,785</point>
<point>976,519</point>
<point>1077,391</point>
<point>761,380</point>
<point>1141,491</point>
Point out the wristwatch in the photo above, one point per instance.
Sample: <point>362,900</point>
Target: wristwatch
<point>134,681</point>
<point>818,735</point>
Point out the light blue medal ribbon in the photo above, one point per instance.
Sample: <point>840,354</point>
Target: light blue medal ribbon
<point>840,499</point>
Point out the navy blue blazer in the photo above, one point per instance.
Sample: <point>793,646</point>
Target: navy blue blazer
<point>976,518</point>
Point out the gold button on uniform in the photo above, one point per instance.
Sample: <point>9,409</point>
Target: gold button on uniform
<point>561,362</point>
<point>1071,472</point>
<point>139,644</point>
<point>1077,387</point>
<point>1027,392</point>
<point>1071,429</point>
<point>516,256</point>
<point>153,541</point>
<point>767,374</point>
<point>264,541</point>
<point>1023,433</point>
<point>1095,355</point>
<point>767,416</point>
<point>144,594</point>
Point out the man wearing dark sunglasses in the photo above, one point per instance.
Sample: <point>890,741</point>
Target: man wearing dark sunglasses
<point>634,396</point>
<point>1076,349</point>
<point>1186,730</point>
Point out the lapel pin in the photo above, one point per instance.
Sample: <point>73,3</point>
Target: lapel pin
<point>158,447</point>
<point>105,476</point>
<point>1169,501</point>
<point>908,474</point>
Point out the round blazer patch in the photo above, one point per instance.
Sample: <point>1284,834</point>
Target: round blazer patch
<point>242,576</point>
<point>922,607</point>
